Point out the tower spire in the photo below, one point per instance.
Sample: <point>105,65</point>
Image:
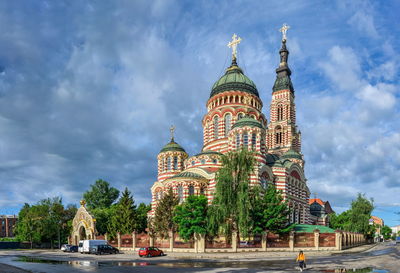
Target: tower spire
<point>283,72</point>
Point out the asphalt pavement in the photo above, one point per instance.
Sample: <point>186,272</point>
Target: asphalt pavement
<point>381,258</point>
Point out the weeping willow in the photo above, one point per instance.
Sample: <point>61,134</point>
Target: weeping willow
<point>230,210</point>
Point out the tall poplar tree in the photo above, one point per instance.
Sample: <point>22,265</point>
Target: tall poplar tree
<point>163,222</point>
<point>230,210</point>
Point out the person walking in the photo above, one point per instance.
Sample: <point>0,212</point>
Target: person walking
<point>301,258</point>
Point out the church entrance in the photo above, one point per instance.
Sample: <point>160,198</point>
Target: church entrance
<point>82,233</point>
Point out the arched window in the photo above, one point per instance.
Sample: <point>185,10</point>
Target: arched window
<point>175,162</point>
<point>227,124</point>
<point>280,112</point>
<point>237,141</point>
<point>264,180</point>
<point>278,135</point>
<point>216,120</point>
<point>169,163</point>
<point>191,190</point>
<point>180,193</point>
<point>245,139</point>
<point>202,191</point>
<point>253,140</point>
<point>203,161</point>
<point>215,161</point>
<point>240,116</point>
<point>193,162</point>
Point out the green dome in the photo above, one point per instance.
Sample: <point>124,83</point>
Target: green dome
<point>291,154</point>
<point>247,121</point>
<point>172,146</point>
<point>234,79</point>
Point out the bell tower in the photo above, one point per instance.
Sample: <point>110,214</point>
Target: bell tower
<point>283,134</point>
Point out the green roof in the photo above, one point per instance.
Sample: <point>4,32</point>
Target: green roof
<point>247,121</point>
<point>189,175</point>
<point>291,154</point>
<point>311,228</point>
<point>234,79</point>
<point>172,146</point>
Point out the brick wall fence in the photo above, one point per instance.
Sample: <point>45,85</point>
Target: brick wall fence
<point>292,241</point>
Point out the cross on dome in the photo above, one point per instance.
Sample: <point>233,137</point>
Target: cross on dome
<point>284,29</point>
<point>233,44</point>
<point>172,130</point>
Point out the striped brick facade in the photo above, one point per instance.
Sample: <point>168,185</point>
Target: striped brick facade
<point>277,146</point>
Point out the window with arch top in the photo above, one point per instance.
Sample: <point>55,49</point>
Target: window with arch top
<point>227,123</point>
<point>280,112</point>
<point>253,140</point>
<point>237,141</point>
<point>175,162</point>
<point>191,190</point>
<point>169,163</point>
<point>180,193</point>
<point>245,139</point>
<point>240,116</point>
<point>216,121</point>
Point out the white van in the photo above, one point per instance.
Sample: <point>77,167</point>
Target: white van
<point>85,245</point>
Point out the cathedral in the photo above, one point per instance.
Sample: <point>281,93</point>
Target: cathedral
<point>234,120</point>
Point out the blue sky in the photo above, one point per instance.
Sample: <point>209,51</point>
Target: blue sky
<point>88,90</point>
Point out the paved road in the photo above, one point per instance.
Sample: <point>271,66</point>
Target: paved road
<point>383,256</point>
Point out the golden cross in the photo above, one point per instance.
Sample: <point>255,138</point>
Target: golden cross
<point>284,29</point>
<point>233,44</point>
<point>172,130</point>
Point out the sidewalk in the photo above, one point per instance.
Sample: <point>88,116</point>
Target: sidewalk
<point>264,255</point>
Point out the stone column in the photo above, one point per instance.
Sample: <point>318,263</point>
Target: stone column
<point>264,241</point>
<point>171,241</point>
<point>119,240</point>
<point>201,243</point>
<point>316,239</point>
<point>291,240</point>
<point>133,240</point>
<point>234,241</point>
<point>151,241</point>
<point>338,240</point>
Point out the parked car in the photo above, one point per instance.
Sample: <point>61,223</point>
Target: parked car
<point>64,247</point>
<point>150,252</point>
<point>86,245</point>
<point>72,248</point>
<point>103,249</point>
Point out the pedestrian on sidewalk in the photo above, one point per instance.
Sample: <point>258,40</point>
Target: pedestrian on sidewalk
<point>301,258</point>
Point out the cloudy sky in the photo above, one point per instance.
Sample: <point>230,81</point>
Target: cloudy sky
<point>88,90</point>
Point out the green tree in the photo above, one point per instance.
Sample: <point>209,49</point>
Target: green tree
<point>46,221</point>
<point>100,195</point>
<point>124,219</point>
<point>230,210</point>
<point>25,229</point>
<point>191,217</point>
<point>340,221</point>
<point>103,218</point>
<point>386,232</point>
<point>141,214</point>
<point>269,211</point>
<point>359,215</point>
<point>163,222</point>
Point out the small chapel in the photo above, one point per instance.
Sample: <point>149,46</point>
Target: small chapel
<point>234,120</point>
